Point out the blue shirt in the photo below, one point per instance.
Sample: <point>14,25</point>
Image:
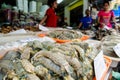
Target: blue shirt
<point>86,22</point>
<point>116,12</point>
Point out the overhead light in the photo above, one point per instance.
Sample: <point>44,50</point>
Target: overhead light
<point>59,1</point>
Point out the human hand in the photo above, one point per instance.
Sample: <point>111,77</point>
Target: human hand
<point>116,26</point>
<point>103,24</point>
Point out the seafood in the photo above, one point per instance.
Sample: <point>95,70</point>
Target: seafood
<point>83,45</point>
<point>48,46</point>
<point>19,69</point>
<point>50,65</point>
<point>26,53</point>
<point>68,78</point>
<point>80,52</point>
<point>15,78</point>
<point>42,72</point>
<point>75,64</point>
<point>87,70</point>
<point>50,61</point>
<point>11,55</point>
<point>2,75</point>
<point>108,43</point>
<point>65,34</point>
<point>27,65</point>
<point>37,45</point>
<point>32,77</point>
<point>91,53</point>
<point>56,58</point>
<point>6,65</point>
<point>10,75</point>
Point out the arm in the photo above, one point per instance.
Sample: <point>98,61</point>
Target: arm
<point>80,25</point>
<point>100,22</point>
<point>99,17</point>
<point>114,20</point>
<point>43,20</point>
<point>113,17</point>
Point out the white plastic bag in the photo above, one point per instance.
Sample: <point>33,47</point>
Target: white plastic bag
<point>43,28</point>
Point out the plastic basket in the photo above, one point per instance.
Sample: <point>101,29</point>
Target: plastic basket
<point>108,62</point>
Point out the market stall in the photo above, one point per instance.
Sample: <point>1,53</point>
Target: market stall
<point>35,56</point>
<point>31,51</point>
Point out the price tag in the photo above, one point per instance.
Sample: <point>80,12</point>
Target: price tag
<point>99,66</point>
<point>117,49</point>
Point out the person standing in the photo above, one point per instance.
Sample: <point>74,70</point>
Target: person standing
<point>50,17</point>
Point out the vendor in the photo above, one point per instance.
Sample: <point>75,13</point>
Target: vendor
<point>50,16</point>
<point>86,21</point>
<point>105,16</point>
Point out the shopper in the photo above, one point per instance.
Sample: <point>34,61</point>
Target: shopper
<point>50,17</point>
<point>105,16</point>
<point>85,22</point>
